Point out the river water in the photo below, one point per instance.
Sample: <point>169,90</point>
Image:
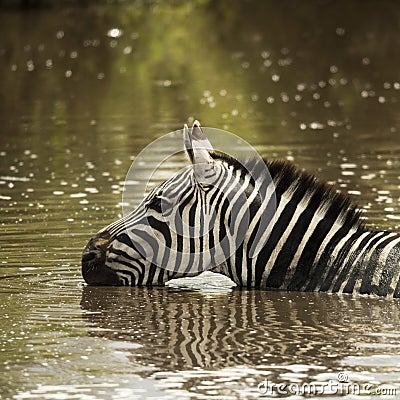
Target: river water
<point>84,89</point>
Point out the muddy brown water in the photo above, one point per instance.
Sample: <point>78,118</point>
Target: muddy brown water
<point>84,89</point>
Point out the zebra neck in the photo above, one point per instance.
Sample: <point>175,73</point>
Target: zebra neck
<point>351,260</point>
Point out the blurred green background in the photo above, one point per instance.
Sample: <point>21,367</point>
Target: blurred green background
<point>316,82</point>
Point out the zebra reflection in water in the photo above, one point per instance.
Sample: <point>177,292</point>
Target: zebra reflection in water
<point>313,240</point>
<point>180,329</point>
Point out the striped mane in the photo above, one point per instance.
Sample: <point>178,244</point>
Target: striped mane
<point>285,175</point>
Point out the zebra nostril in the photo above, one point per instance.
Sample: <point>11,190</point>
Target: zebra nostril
<point>96,248</point>
<point>94,269</point>
<point>87,257</point>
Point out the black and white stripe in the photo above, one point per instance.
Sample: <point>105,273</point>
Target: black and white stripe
<point>299,234</point>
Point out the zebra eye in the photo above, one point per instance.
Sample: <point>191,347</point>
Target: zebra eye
<point>161,205</point>
<point>154,204</point>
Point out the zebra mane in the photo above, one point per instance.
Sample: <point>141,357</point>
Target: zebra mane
<point>285,174</point>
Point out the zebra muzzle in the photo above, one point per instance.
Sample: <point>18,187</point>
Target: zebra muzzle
<point>94,270</point>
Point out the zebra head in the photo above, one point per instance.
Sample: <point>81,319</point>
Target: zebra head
<point>184,226</point>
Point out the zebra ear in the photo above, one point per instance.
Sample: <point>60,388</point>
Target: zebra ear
<point>198,148</point>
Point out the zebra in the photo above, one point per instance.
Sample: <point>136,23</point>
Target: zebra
<point>312,239</point>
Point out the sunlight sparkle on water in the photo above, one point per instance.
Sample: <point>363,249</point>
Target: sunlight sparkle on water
<point>114,33</point>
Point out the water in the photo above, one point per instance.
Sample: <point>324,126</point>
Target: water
<point>84,89</point>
